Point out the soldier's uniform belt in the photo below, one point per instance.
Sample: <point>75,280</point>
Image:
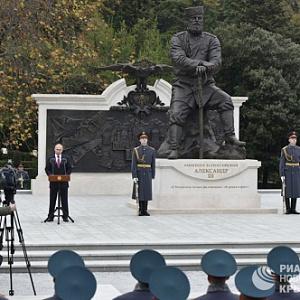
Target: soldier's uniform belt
<point>292,164</point>
<point>144,166</point>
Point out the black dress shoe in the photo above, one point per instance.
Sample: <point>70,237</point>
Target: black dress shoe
<point>294,212</point>
<point>49,219</point>
<point>146,213</point>
<point>65,219</point>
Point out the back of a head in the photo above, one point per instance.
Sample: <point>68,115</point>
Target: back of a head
<point>169,283</point>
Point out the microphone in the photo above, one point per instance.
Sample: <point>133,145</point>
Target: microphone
<point>52,161</point>
<point>64,161</point>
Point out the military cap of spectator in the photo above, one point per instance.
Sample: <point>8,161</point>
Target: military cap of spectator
<point>63,259</point>
<point>144,262</point>
<point>252,282</point>
<point>218,263</point>
<point>284,261</point>
<point>169,283</point>
<point>76,283</point>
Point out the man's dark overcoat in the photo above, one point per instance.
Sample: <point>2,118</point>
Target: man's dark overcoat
<point>143,168</point>
<point>289,167</point>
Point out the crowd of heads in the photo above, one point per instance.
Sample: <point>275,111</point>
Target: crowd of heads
<point>252,282</point>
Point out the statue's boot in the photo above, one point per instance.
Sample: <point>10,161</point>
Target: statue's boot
<point>227,122</point>
<point>175,137</point>
<point>293,206</point>
<point>287,206</point>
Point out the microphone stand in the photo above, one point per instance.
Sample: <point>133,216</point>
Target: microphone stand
<point>59,207</point>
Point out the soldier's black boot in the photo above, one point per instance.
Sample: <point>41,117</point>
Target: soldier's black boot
<point>227,122</point>
<point>145,208</point>
<point>293,206</point>
<point>141,208</point>
<point>287,206</point>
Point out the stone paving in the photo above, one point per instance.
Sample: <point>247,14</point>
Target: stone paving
<point>106,219</point>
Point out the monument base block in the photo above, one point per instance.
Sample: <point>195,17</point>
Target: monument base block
<point>207,186</point>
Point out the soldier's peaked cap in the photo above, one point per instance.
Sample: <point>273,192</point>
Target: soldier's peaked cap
<point>283,261</point>
<point>250,283</point>
<point>144,262</point>
<point>76,283</point>
<point>143,135</point>
<point>63,259</point>
<point>293,134</point>
<point>169,283</point>
<point>218,263</point>
<point>194,11</point>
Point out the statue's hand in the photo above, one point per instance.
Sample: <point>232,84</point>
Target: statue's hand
<point>200,70</point>
<point>209,67</point>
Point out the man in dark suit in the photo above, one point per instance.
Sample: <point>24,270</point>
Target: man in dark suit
<point>58,164</point>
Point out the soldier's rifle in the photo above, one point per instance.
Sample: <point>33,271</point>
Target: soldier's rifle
<point>137,203</point>
<point>283,197</point>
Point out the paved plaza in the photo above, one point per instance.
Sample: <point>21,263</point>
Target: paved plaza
<point>107,219</point>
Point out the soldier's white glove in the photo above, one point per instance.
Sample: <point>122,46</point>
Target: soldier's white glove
<point>282,178</point>
<point>135,180</point>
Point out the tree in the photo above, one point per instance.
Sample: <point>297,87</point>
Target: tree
<point>267,14</point>
<point>43,50</point>
<point>263,66</point>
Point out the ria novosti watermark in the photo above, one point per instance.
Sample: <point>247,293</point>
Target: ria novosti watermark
<point>263,278</point>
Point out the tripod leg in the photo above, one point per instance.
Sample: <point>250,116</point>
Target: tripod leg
<point>10,250</point>
<point>21,240</point>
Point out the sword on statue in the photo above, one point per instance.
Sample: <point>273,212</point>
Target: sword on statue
<point>200,72</point>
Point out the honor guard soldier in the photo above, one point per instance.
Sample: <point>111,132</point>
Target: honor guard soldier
<point>252,286</point>
<point>142,264</point>
<point>143,171</point>
<point>218,265</point>
<point>289,171</point>
<point>285,265</point>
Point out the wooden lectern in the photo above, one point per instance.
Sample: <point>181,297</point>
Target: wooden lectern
<point>59,178</point>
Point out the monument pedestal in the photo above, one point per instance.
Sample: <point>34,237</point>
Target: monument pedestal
<point>206,186</point>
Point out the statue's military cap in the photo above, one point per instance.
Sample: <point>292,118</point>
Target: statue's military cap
<point>194,11</point>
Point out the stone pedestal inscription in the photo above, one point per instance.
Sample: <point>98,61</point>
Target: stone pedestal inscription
<point>206,184</point>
